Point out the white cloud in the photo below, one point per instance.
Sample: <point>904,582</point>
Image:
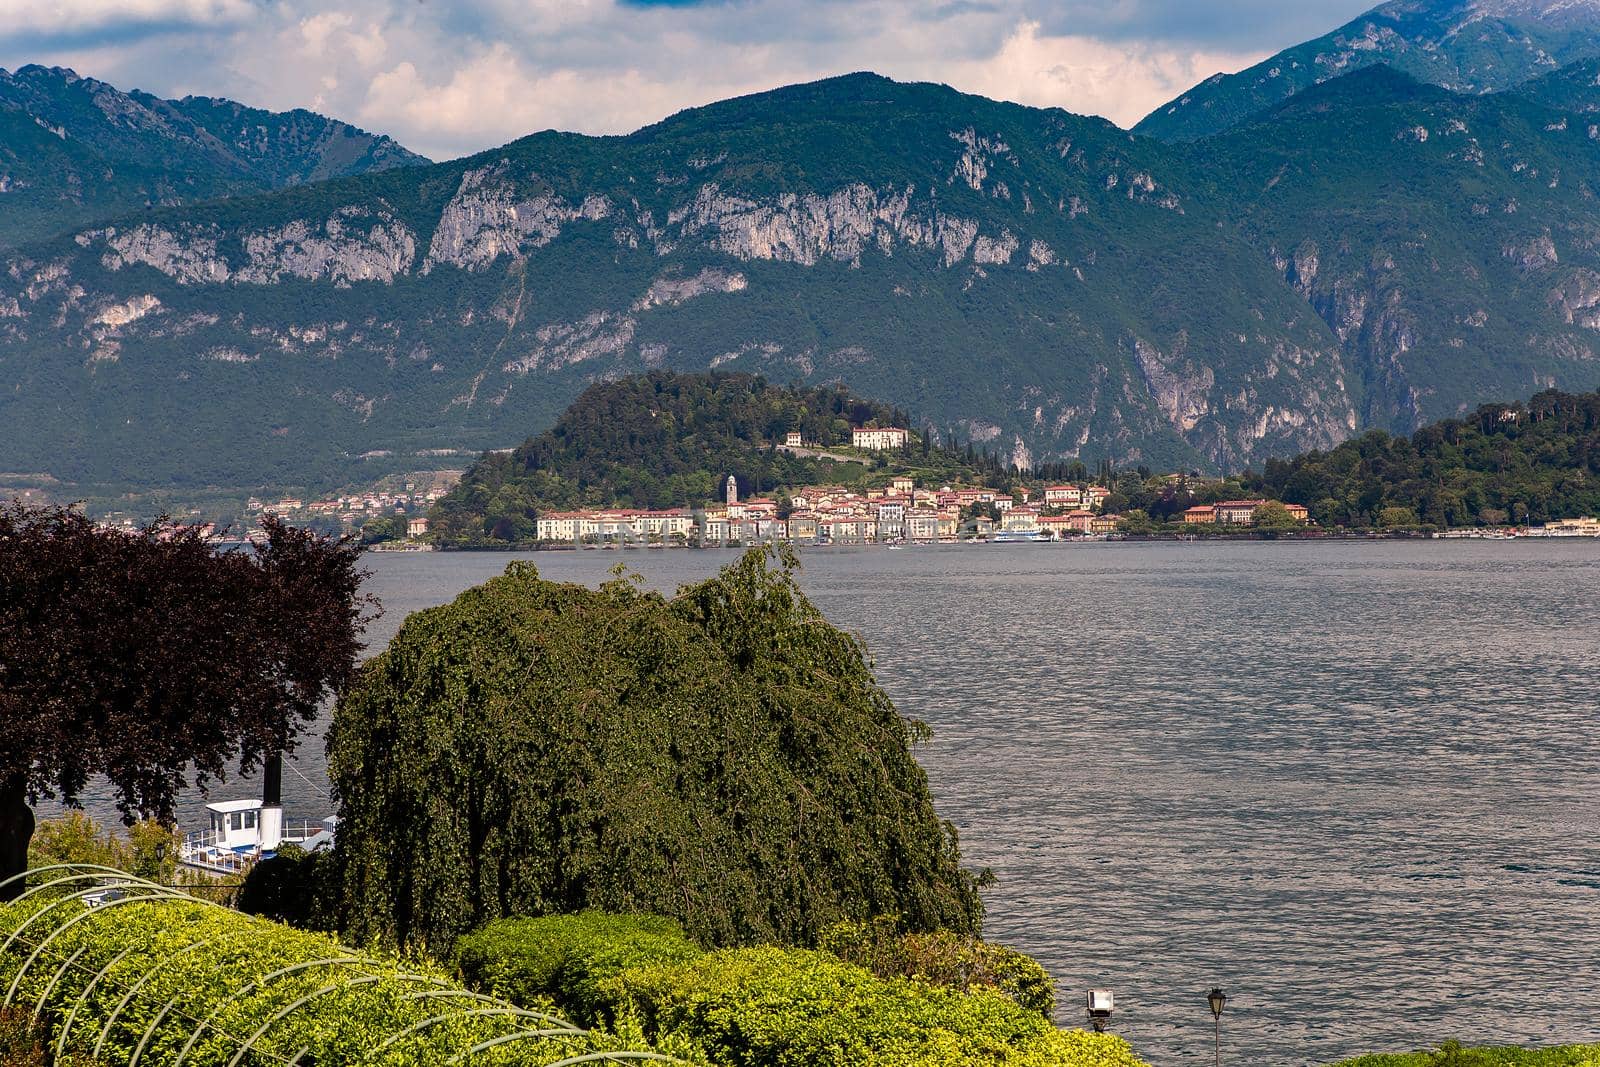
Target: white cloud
<point>1122,81</point>
<point>33,16</point>
<point>448,78</point>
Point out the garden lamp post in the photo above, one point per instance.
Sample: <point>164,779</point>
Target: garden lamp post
<point>1100,1004</point>
<point>1218,1000</point>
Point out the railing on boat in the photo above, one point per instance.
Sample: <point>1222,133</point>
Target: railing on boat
<point>204,848</point>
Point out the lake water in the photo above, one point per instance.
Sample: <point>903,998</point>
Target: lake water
<point>1357,785</point>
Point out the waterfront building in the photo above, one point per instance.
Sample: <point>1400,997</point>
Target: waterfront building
<point>802,528</point>
<point>1057,526</point>
<point>891,516</point>
<point>1238,512</point>
<point>1104,524</point>
<point>1020,520</point>
<point>1200,515</point>
<point>878,439</point>
<point>1063,496</point>
<point>1081,520</point>
<point>417,527</point>
<point>922,525</point>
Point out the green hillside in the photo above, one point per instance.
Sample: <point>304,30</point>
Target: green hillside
<point>1505,463</point>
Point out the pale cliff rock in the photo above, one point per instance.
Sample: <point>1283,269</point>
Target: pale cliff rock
<point>1179,387</point>
<point>1577,299</point>
<point>674,291</point>
<point>343,249</point>
<point>490,217</point>
<point>189,256</point>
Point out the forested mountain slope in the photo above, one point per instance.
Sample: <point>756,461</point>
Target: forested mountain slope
<point>1371,253</point>
<point>1470,46</point>
<point>75,150</point>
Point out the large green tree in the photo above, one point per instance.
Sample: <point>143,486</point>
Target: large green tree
<point>154,660</point>
<point>724,757</point>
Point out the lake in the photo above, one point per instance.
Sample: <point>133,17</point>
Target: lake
<point>1357,785</point>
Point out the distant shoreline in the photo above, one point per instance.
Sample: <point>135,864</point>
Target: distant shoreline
<point>1166,538</point>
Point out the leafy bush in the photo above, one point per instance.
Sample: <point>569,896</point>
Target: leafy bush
<point>1453,1054</point>
<point>296,887</point>
<point>197,974</point>
<point>564,959</point>
<point>773,1007</point>
<point>150,850</point>
<point>959,961</point>
<point>724,757</point>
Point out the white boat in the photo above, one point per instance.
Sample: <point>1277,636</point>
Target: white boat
<point>242,832</point>
<point>1012,537</point>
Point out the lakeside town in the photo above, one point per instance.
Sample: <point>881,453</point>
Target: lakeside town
<point>901,512</point>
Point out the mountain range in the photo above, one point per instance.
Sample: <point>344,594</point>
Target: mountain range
<point>74,150</point>
<point>1468,46</point>
<point>1372,250</point>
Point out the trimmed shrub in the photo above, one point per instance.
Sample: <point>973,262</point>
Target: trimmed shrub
<point>773,1007</point>
<point>1454,1054</point>
<point>724,757</point>
<point>296,887</point>
<point>942,958</point>
<point>564,959</point>
<point>198,974</point>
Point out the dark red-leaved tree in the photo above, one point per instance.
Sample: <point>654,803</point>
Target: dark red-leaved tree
<point>157,661</point>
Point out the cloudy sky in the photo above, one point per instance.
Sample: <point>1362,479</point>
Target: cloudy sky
<point>448,77</point>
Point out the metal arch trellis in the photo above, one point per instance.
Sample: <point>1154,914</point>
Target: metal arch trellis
<point>83,998</point>
<point>50,986</point>
<point>332,987</point>
<point>497,1010</point>
<point>294,1006</point>
<point>70,879</point>
<point>146,891</point>
<point>88,913</point>
<point>133,990</point>
<point>123,876</point>
<point>347,960</point>
<point>588,1057</point>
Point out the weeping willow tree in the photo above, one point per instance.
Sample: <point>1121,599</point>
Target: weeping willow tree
<point>724,757</point>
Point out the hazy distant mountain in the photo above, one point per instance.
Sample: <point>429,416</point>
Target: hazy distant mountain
<point>1469,46</point>
<point>73,150</point>
<point>1372,252</point>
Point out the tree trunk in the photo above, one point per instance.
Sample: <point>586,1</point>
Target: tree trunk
<point>16,830</point>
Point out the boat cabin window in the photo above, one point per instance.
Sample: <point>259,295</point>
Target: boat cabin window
<point>234,821</point>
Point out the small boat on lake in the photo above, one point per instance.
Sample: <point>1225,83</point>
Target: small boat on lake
<point>241,832</point>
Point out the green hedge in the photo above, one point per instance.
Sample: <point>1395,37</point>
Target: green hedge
<point>565,959</point>
<point>204,961</point>
<point>1452,1054</point>
<point>943,958</point>
<point>774,1007</point>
